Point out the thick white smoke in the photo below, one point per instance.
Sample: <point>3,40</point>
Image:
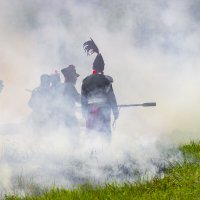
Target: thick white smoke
<point>45,158</point>
<point>151,50</point>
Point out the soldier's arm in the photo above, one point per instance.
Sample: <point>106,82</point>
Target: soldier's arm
<point>33,99</point>
<point>111,97</point>
<point>74,93</point>
<point>77,96</point>
<point>113,102</point>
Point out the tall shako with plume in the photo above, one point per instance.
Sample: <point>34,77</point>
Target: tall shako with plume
<point>98,65</point>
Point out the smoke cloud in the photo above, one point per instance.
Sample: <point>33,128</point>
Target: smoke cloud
<point>151,50</point>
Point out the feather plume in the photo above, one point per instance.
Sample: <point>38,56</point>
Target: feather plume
<point>90,47</point>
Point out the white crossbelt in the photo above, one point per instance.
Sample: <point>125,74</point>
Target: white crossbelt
<point>96,100</point>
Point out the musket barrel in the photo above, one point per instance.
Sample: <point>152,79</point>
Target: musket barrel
<point>128,105</point>
<point>133,105</point>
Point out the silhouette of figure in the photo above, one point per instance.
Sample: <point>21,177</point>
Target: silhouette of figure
<point>55,97</point>
<point>39,101</point>
<point>70,98</point>
<point>97,95</point>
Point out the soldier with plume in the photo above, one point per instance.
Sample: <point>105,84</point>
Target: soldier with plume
<point>97,96</point>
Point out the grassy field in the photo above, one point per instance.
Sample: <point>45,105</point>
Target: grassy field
<point>179,182</point>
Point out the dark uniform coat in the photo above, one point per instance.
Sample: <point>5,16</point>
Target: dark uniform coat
<point>70,98</point>
<point>98,99</point>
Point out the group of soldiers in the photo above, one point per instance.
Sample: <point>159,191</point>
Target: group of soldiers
<point>55,102</point>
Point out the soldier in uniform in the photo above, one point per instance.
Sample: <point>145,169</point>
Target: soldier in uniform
<point>97,96</point>
<point>39,101</point>
<point>56,96</point>
<point>55,80</point>
<point>70,98</point>
<point>1,86</point>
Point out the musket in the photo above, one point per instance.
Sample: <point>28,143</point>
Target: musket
<point>132,105</point>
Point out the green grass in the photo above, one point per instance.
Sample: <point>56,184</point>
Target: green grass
<point>181,181</point>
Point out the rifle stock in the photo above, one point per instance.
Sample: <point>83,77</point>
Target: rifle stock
<point>150,104</point>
